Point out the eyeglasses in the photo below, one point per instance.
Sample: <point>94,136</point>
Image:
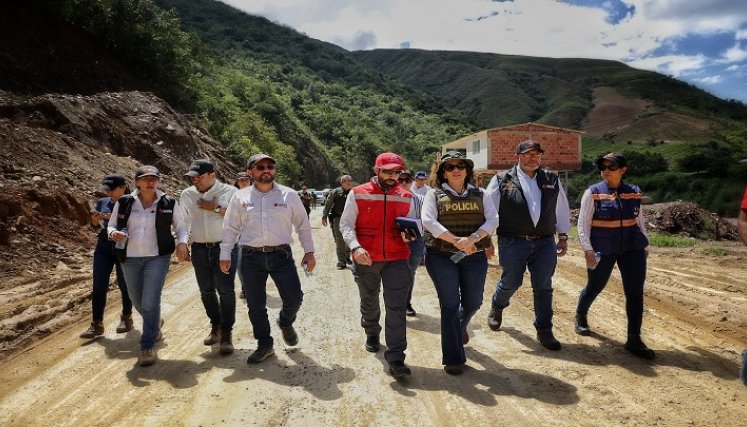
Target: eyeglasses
<point>405,180</point>
<point>390,172</point>
<point>612,168</point>
<point>265,167</point>
<point>532,155</point>
<point>449,167</point>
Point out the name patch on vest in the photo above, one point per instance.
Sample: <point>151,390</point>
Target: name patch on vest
<point>166,211</point>
<point>548,186</point>
<point>461,206</point>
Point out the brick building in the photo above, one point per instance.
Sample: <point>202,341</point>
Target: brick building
<point>494,150</point>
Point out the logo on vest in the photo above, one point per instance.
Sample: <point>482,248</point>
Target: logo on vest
<point>461,206</point>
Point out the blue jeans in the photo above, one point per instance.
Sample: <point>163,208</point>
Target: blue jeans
<point>417,249</point>
<point>254,269</point>
<point>394,276</point>
<point>460,288</point>
<point>104,261</point>
<point>632,267</point>
<point>145,278</point>
<point>211,280</point>
<point>515,256</point>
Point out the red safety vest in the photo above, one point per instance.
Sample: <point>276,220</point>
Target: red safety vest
<point>376,228</point>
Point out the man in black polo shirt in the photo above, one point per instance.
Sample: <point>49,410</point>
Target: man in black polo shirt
<point>532,206</point>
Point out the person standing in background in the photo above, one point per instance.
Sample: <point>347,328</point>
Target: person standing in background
<point>105,260</point>
<point>143,223</point>
<point>307,199</point>
<point>243,180</point>
<point>417,246</point>
<point>532,206</point>
<point>419,186</point>
<point>204,204</point>
<point>333,207</point>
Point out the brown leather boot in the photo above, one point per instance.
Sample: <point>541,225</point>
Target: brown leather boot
<point>226,345</point>
<point>125,323</point>
<point>96,329</point>
<point>213,337</point>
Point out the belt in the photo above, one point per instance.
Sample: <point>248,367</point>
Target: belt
<point>267,248</point>
<point>529,236</point>
<point>614,223</point>
<point>206,244</point>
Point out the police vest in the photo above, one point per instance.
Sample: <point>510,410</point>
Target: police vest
<point>376,227</point>
<point>514,211</point>
<point>614,226</point>
<point>462,216</point>
<point>164,217</point>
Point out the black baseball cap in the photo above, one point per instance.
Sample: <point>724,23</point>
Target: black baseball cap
<point>615,158</point>
<point>528,145</point>
<point>147,170</point>
<point>200,167</point>
<point>110,182</point>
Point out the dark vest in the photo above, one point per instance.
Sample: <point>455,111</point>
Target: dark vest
<point>164,217</point>
<point>338,203</point>
<point>614,229</point>
<point>462,216</point>
<point>514,211</point>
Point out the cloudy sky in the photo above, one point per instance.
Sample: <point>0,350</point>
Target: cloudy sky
<point>703,42</point>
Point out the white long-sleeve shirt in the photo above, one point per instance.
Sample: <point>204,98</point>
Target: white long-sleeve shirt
<point>586,214</point>
<point>350,217</point>
<point>205,226</point>
<point>531,190</point>
<point>141,227</point>
<point>257,219</point>
<point>430,211</point>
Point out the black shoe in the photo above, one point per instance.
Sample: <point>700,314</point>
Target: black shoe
<point>547,339</point>
<point>260,354</point>
<point>637,347</point>
<point>495,318</point>
<point>372,343</point>
<point>341,266</point>
<point>289,334</point>
<point>399,370</point>
<point>454,369</point>
<point>410,311</point>
<point>582,325</point>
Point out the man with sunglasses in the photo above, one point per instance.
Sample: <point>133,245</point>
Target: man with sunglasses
<point>262,218</point>
<point>204,206</point>
<point>333,207</point>
<point>380,256</point>
<point>532,207</point>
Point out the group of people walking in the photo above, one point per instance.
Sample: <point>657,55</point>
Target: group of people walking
<point>250,231</point>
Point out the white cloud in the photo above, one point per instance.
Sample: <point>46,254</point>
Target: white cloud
<point>710,80</point>
<point>734,54</point>
<point>675,65</point>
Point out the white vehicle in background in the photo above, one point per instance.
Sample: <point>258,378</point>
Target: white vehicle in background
<point>321,195</point>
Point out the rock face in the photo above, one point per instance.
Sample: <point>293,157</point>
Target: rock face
<point>54,150</point>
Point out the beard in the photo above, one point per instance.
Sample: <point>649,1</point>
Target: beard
<point>265,178</point>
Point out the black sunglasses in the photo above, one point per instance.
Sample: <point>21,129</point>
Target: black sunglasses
<point>449,167</point>
<point>265,167</point>
<point>612,168</point>
<point>405,180</point>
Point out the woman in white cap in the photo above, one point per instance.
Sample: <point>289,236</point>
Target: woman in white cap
<point>105,260</point>
<point>141,224</point>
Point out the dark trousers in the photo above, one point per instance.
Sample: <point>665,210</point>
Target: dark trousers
<point>516,255</point>
<point>395,277</point>
<point>632,267</point>
<point>343,251</point>
<point>255,267</point>
<point>417,250</point>
<point>460,289</point>
<point>216,288</point>
<point>104,261</point>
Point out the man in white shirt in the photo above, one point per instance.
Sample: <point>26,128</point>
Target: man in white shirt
<point>204,204</point>
<point>527,241</point>
<point>419,186</point>
<point>262,218</point>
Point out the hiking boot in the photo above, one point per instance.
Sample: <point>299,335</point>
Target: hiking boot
<point>495,318</point>
<point>410,311</point>
<point>260,354</point>
<point>96,329</point>
<point>147,357</point>
<point>582,325</point>
<point>341,266</point>
<point>125,323</point>
<point>547,339</point>
<point>399,370</point>
<point>454,369</point>
<point>372,343</point>
<point>638,348</point>
<point>213,337</point>
<point>226,345</point>
<point>465,337</point>
<point>289,334</point>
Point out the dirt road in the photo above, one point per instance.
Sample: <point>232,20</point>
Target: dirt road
<point>695,318</point>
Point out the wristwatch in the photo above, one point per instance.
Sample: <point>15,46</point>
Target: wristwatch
<point>217,209</point>
<point>476,235</point>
